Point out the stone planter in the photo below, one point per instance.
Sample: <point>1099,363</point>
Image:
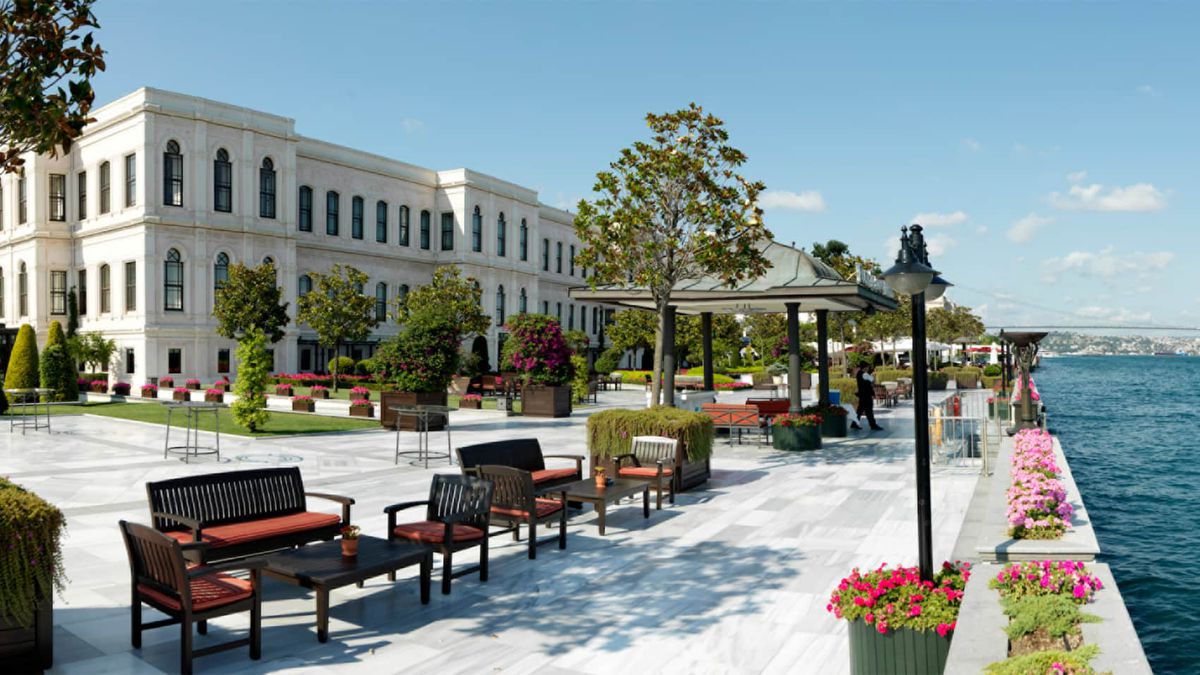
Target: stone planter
<point>180,396</point>
<point>899,652</point>
<point>545,401</point>
<point>389,399</point>
<point>936,385</point>
<point>966,382</point>
<point>470,405</point>
<point>461,384</point>
<point>362,411</point>
<point>834,426</point>
<point>214,398</point>
<point>796,438</point>
<point>307,406</point>
<point>29,649</point>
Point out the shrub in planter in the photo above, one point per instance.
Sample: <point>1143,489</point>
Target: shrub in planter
<point>1057,662</point>
<point>470,401</point>
<point>303,404</point>
<point>99,386</point>
<point>937,381</point>
<point>250,408</point>
<point>149,391</point>
<point>1069,578</point>
<point>418,365</point>
<point>283,390</point>
<point>833,419</point>
<point>181,394</point>
<point>361,407</point>
<point>193,384</point>
<point>542,358</point>
<point>796,432</point>
<point>83,383</point>
<point>360,392</point>
<point>318,391</point>
<point>120,388</point>
<point>214,396</point>
<point>31,571</point>
<point>610,432</point>
<point>166,382</point>
<point>23,361</point>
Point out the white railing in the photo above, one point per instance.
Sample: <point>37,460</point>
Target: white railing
<point>961,430</point>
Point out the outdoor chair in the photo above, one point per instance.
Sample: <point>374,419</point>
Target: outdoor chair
<point>651,459</point>
<point>885,398</point>
<point>733,417</point>
<point>456,518</point>
<point>515,503</point>
<point>616,379</point>
<point>161,578</point>
<point>487,385</point>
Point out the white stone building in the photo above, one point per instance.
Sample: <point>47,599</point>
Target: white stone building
<point>163,190</point>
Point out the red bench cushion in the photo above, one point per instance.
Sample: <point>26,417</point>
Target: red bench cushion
<point>552,474</point>
<point>643,471</point>
<point>544,508</point>
<point>433,532</point>
<point>209,592</point>
<point>240,533</point>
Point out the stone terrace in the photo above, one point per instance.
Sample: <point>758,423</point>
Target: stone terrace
<point>732,578</point>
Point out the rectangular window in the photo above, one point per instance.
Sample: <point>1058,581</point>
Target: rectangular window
<point>332,206</point>
<point>572,260</point>
<point>222,360</point>
<point>306,206</point>
<point>58,292</point>
<point>174,361</point>
<point>403,234</point>
<point>524,242</point>
<point>172,179</point>
<point>425,227</point>
<point>81,292</point>
<point>381,226</point>
<point>570,317</point>
<point>105,187</point>
<point>130,286</point>
<point>105,289</point>
<point>583,318</point>
<point>81,188</point>
<point>558,311</point>
<point>558,257</point>
<point>58,197</point>
<point>22,196</point>
<point>595,320</point>
<point>130,363</point>
<point>305,360</point>
<point>356,218</point>
<point>546,307</point>
<point>545,255</point>
<point>448,231</point>
<point>266,190</point>
<point>130,180</point>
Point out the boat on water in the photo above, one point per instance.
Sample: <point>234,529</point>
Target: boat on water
<point>1172,354</point>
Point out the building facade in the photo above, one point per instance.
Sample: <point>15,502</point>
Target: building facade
<point>164,191</point>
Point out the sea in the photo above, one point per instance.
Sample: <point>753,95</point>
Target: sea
<point>1128,428</point>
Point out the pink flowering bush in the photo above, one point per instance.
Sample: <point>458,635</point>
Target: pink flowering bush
<point>1047,577</point>
<point>423,358</point>
<point>303,399</point>
<point>894,598</point>
<point>471,397</point>
<point>1037,499</point>
<point>360,392</point>
<point>539,350</point>
<point>149,390</point>
<point>283,390</point>
<point>120,388</point>
<point>732,386</point>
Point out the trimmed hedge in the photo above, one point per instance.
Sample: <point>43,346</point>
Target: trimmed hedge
<point>892,374</point>
<point>23,361</point>
<point>610,431</point>
<point>849,388</point>
<point>937,381</point>
<point>57,371</point>
<point>31,565</point>
<point>345,366</point>
<point>639,376</point>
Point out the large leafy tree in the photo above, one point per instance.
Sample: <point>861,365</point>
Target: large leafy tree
<point>93,349</point>
<point>632,329</point>
<point>450,298</point>
<point>845,325</point>
<point>50,57</point>
<point>337,310</point>
<point>672,208</point>
<point>251,298</point>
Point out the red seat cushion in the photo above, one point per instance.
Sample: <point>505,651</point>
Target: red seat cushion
<point>643,471</point>
<point>433,532</point>
<point>208,592</point>
<point>552,474</point>
<point>544,508</point>
<point>240,533</point>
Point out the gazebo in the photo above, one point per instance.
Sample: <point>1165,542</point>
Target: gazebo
<point>794,282</point>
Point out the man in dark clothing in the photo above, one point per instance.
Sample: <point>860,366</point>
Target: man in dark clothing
<point>866,398</point>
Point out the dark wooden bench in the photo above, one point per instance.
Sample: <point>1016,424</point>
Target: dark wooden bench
<point>520,453</point>
<point>233,514</point>
<point>731,417</point>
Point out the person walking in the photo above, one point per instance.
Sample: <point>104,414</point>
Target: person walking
<point>865,380</point>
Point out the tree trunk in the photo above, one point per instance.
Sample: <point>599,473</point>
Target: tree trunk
<point>656,370</point>
<point>337,351</point>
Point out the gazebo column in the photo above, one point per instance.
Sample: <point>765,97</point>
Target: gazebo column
<point>793,335</point>
<point>668,359</point>
<point>823,355</point>
<point>706,348</point>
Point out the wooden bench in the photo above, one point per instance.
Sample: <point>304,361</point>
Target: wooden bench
<point>731,416</point>
<point>521,453</point>
<point>689,382</point>
<point>233,514</point>
<point>769,409</point>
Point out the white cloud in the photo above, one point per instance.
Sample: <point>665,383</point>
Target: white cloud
<point>982,229</point>
<point>1108,264</point>
<point>1076,177</point>
<point>934,219</point>
<point>939,244</point>
<point>1139,197</point>
<point>809,200</point>
<point>412,125</point>
<point>972,144</point>
<point>1022,230</point>
<point>1149,91</point>
<point>1113,314</point>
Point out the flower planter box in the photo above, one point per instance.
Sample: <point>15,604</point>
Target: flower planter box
<point>966,382</point>
<point>362,411</point>
<point>214,398</point>
<point>545,401</point>
<point>796,438</point>
<point>389,399</point>
<point>223,386</point>
<point>319,393</point>
<point>146,393</point>
<point>308,406</point>
<point>460,385</point>
<point>364,394</point>
<point>903,651</point>
<point>194,386</point>
<point>29,649</point>
<point>100,387</point>
<point>180,396</point>
<point>470,405</point>
<point>834,426</point>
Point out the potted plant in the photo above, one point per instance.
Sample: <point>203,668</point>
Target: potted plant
<point>360,392</point>
<point>896,618</point>
<point>99,386</point>
<point>283,390</point>
<point>796,432</point>
<point>180,394</point>
<point>418,364</point>
<point>214,396</point>
<point>193,384</point>
<point>361,407</point>
<point>318,391</point>
<point>149,391</point>
<point>166,382</point>
<point>303,404</point>
<point>833,419</point>
<point>470,401</point>
<point>610,434</point>
<point>350,541</point>
<point>222,384</point>
<point>31,559</point>
<point>541,357</point>
<point>937,381</point>
<point>601,479</point>
<point>120,389</point>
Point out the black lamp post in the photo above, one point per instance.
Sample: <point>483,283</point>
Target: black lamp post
<point>913,276</point>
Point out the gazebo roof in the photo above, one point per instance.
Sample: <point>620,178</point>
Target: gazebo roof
<point>793,276</point>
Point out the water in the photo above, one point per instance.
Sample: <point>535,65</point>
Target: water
<point>1127,426</point>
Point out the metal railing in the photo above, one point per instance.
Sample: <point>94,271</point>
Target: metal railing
<point>961,429</point>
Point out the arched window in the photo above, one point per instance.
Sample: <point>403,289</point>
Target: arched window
<point>222,182</point>
<point>22,292</point>
<point>402,236</point>
<point>523,302</point>
<point>558,257</point>
<point>545,255</point>
<point>381,301</point>
<point>304,286</point>
<point>572,260</point>
<point>268,260</point>
<point>356,217</point>
<point>381,225</point>
<point>221,270</point>
<point>501,235</point>
<point>426,224</point>
<point>172,175</point>
<point>304,224</point>
<point>173,281</point>
<point>266,189</point>
<point>477,230</point>
<point>500,305</point>
<point>403,292</point>
<point>523,244</point>
<point>105,289</point>
<point>332,207</point>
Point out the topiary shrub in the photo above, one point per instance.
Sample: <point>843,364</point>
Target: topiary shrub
<point>609,361</point>
<point>57,372</point>
<point>892,374</point>
<point>31,565</point>
<point>849,388</point>
<point>254,368</point>
<point>23,361</point>
<point>609,432</point>
<point>423,358</point>
<point>344,366</point>
<point>992,369</point>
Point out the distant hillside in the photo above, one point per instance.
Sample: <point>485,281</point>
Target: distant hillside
<point>1079,343</point>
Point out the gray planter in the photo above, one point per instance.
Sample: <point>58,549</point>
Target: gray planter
<point>796,438</point>
<point>898,652</point>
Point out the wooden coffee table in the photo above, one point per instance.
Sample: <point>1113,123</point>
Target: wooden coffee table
<point>321,567</point>
<point>586,491</point>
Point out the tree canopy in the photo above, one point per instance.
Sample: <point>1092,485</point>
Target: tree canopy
<point>450,298</point>
<point>337,309</point>
<point>251,297</point>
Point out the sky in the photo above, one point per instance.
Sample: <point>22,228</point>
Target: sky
<point>1050,149</point>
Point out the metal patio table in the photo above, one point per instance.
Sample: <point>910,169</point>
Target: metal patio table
<point>192,410</point>
<point>24,399</point>
<point>423,415</point>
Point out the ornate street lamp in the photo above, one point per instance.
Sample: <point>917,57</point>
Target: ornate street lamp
<point>1025,346</point>
<point>912,275</point>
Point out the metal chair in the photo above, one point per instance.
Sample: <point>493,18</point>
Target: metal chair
<point>653,460</point>
<point>456,518</point>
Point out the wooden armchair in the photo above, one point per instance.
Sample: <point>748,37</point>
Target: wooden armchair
<point>515,503</point>
<point>651,459</point>
<point>456,518</point>
<point>160,577</point>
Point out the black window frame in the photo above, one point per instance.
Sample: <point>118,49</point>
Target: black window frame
<point>501,235</point>
<point>522,302</point>
<point>571,260</point>
<point>173,285</point>
<point>81,284</point>
<point>477,230</point>
<point>105,289</point>
<point>447,231</point>
<point>500,308</point>
<point>222,182</point>
<point>58,292</point>
<point>381,288</point>
<point>223,360</point>
<point>558,257</point>
<point>22,199</point>
<point>357,208</point>
<point>545,254</point>
<point>58,197</point>
<point>174,360</point>
<point>304,209</point>
<point>267,189</point>
<point>81,191</point>
<point>426,230</point>
<point>130,361</point>
<point>333,212</point>
<point>22,291</point>
<point>173,175</point>
<point>381,222</point>
<point>301,291</point>
<point>524,241</point>
<point>105,188</point>
<point>220,270</point>
<point>404,226</point>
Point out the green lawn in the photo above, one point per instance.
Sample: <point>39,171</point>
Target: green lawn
<point>281,424</point>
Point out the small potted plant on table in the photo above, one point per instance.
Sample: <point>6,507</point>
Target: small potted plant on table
<point>796,432</point>
<point>601,479</point>
<point>471,401</point>
<point>303,404</point>
<point>350,541</point>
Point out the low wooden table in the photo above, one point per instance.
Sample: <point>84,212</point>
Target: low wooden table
<point>586,491</point>
<point>321,567</point>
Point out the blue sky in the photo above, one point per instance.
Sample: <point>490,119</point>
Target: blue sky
<point>1051,147</point>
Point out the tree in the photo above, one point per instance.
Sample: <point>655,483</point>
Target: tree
<point>632,329</point>
<point>45,44</point>
<point>251,298</point>
<point>337,309</point>
<point>72,313</point>
<point>450,298</point>
<point>673,208</point>
<point>577,340</point>
<point>766,332</point>
<point>254,367</point>
<point>23,361</point>
<point>93,350</point>
<point>57,368</point>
